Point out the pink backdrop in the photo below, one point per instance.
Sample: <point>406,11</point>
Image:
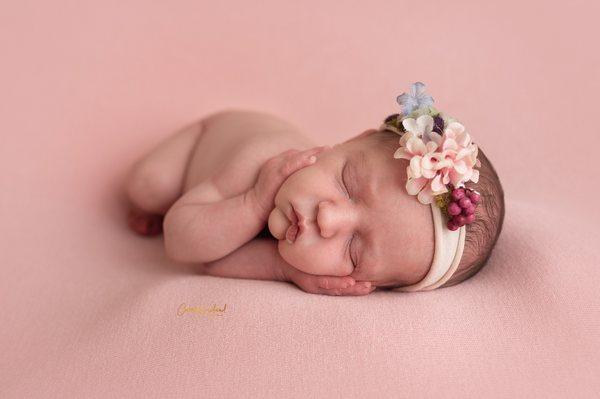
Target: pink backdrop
<point>89,310</point>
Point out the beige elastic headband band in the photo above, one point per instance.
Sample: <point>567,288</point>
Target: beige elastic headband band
<point>448,251</point>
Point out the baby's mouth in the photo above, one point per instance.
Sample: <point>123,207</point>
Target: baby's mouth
<point>296,228</point>
<point>292,233</point>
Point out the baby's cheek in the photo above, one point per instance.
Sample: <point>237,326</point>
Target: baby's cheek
<point>278,223</point>
<point>312,261</point>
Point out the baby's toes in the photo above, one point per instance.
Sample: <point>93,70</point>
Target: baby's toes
<point>136,222</point>
<point>154,226</point>
<point>144,223</point>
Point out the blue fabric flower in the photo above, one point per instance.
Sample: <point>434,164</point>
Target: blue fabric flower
<point>415,100</point>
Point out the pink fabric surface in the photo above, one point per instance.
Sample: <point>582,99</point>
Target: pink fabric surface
<point>90,310</point>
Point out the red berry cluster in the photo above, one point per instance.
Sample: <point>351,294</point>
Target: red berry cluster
<point>461,209</point>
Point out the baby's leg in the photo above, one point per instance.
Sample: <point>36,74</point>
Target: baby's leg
<point>155,181</point>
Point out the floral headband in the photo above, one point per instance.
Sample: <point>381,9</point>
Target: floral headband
<point>441,154</point>
<point>442,158</point>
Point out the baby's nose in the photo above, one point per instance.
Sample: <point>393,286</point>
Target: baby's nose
<point>333,218</point>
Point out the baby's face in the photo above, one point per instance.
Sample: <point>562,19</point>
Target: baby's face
<point>356,217</point>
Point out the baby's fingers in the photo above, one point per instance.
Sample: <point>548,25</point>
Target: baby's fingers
<point>346,285</point>
<point>335,282</point>
<point>300,160</point>
<point>315,150</point>
<point>358,289</point>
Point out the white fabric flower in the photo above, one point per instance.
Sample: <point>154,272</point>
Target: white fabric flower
<point>420,127</point>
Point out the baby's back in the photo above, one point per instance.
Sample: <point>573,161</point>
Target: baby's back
<point>234,144</point>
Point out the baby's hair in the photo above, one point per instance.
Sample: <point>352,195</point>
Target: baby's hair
<point>483,233</point>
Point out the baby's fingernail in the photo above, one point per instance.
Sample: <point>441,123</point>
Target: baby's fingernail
<point>367,285</point>
<point>312,159</point>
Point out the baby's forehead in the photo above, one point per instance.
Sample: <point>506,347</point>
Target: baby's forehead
<point>384,179</point>
<point>374,154</point>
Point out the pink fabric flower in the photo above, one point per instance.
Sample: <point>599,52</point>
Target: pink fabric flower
<point>436,160</point>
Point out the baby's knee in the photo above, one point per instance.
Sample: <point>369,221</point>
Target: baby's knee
<point>149,187</point>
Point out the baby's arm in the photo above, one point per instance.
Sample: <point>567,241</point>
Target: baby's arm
<point>201,230</point>
<point>259,259</point>
<point>195,231</point>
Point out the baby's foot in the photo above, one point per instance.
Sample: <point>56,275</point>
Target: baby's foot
<point>143,223</point>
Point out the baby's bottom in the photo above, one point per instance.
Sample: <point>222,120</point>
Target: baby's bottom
<point>155,181</point>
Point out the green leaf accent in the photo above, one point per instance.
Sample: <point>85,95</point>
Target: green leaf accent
<point>442,201</point>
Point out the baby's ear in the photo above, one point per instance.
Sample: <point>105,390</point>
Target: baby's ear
<point>364,134</point>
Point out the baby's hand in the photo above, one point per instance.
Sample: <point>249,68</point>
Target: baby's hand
<point>327,285</point>
<point>274,172</point>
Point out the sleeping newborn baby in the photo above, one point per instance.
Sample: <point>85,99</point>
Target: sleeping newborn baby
<point>411,206</point>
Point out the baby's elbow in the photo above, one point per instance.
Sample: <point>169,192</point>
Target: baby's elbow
<point>172,248</point>
<point>176,248</point>
<point>185,238</point>
<point>173,251</point>
<point>179,251</point>
<point>181,244</point>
